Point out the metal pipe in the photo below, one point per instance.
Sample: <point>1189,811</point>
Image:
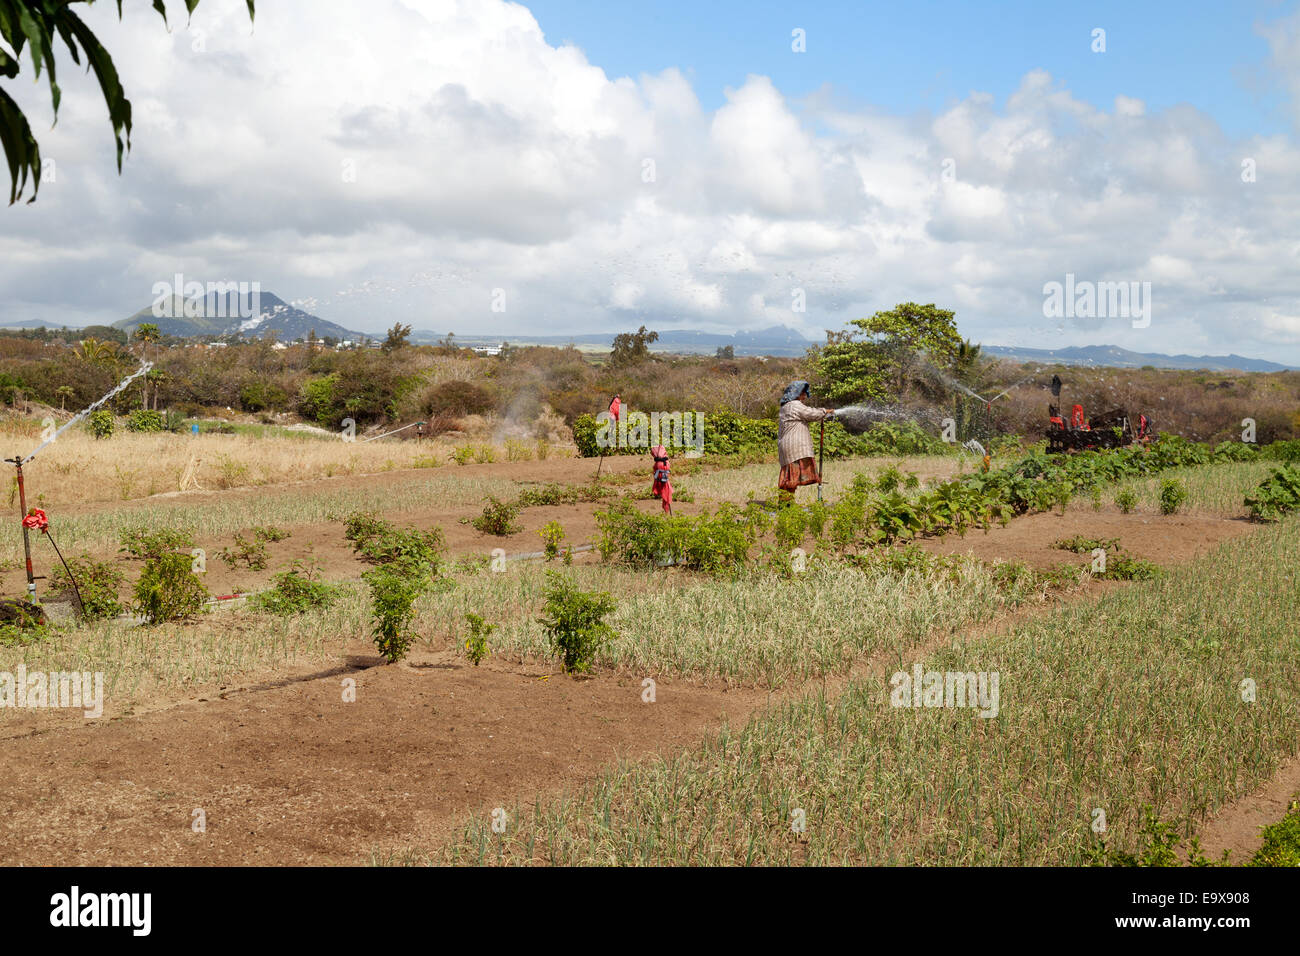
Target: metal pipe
<point>27,541</point>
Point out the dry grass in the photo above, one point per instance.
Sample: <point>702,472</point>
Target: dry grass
<point>78,468</point>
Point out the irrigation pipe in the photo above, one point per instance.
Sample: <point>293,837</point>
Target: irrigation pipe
<point>386,434</point>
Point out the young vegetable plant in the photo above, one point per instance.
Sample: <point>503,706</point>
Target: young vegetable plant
<point>575,622</point>
<point>476,645</point>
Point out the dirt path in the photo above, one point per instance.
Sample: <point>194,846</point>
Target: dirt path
<point>1236,827</point>
<point>296,775</point>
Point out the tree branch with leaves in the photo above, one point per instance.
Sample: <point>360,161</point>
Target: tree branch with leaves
<point>37,26</point>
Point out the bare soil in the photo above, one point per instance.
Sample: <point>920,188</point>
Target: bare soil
<point>1236,827</point>
<point>295,775</point>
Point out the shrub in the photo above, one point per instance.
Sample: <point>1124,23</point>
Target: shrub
<point>1286,451</point>
<point>362,526</point>
<point>552,534</point>
<point>1172,495</point>
<point>1235,451</point>
<point>96,583</point>
<point>393,590</point>
<point>252,553</point>
<point>1276,496</point>
<point>518,451</point>
<point>791,525</point>
<point>1126,500</point>
<point>817,516</point>
<point>553,494</point>
<point>21,623</point>
<point>380,542</point>
<point>476,645</point>
<point>457,399</point>
<point>484,454</point>
<point>1123,568</point>
<point>463,455</point>
<point>1081,545</point>
<point>261,396</point>
<point>295,590</point>
<point>231,472</point>
<point>100,422</point>
<point>168,589</point>
<point>144,542</point>
<point>543,448</point>
<point>270,533</point>
<point>574,622</point>
<point>1161,844</point>
<point>704,542</point>
<point>145,420</point>
<point>1281,846</point>
<point>498,517</point>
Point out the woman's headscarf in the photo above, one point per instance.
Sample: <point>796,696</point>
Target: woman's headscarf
<point>794,391</point>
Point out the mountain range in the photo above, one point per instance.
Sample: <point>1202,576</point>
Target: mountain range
<point>1112,356</point>
<point>223,314</point>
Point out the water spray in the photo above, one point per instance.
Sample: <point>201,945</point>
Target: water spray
<point>18,461</point>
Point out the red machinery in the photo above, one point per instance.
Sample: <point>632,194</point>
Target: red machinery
<point>1110,430</point>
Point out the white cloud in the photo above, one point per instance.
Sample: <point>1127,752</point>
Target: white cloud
<point>400,159</point>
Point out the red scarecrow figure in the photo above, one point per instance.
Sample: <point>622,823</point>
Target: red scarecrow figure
<point>614,407</point>
<point>662,488</point>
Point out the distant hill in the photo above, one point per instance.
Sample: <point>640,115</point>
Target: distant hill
<point>1112,356</point>
<point>38,324</point>
<point>777,340</point>
<point>228,314</point>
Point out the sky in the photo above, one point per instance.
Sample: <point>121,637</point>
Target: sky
<point>569,167</point>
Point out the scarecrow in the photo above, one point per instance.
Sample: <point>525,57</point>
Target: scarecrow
<point>663,486</point>
<point>614,407</point>
<point>794,440</point>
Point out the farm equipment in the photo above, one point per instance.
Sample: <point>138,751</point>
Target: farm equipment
<point>1112,429</point>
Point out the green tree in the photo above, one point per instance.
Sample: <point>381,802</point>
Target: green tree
<point>34,25</point>
<point>397,337</point>
<point>632,348</point>
<point>877,358</point>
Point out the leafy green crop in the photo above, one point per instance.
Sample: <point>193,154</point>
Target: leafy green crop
<point>1277,495</point>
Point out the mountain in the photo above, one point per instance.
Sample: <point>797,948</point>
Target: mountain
<point>1112,356</point>
<point>38,324</point>
<point>232,313</point>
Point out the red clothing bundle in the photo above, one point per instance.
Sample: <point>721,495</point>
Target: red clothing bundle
<point>663,487</point>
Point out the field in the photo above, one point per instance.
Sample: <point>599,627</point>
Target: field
<point>741,711</point>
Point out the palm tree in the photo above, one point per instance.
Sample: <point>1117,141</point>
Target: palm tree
<point>968,368</point>
<point>145,333</point>
<point>64,392</point>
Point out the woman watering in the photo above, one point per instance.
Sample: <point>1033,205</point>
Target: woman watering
<point>794,440</point>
